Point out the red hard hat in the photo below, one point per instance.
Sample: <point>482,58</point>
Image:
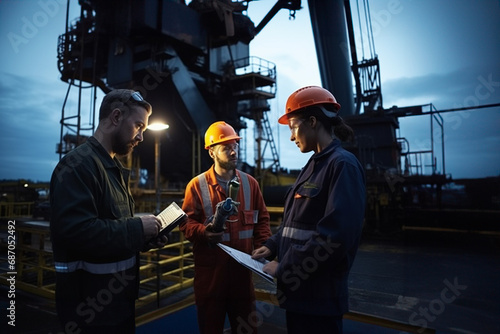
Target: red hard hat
<point>218,133</point>
<point>306,97</point>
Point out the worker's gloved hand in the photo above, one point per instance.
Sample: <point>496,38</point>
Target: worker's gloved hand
<point>213,237</point>
<point>151,226</point>
<point>222,207</point>
<point>223,210</point>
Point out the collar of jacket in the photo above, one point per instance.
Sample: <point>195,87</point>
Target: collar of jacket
<point>212,179</point>
<point>314,159</point>
<point>104,156</point>
<point>328,150</point>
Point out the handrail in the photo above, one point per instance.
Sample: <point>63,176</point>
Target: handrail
<point>173,266</point>
<point>414,160</point>
<point>16,209</point>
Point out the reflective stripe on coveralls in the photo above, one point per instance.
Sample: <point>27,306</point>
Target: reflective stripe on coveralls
<point>95,268</point>
<point>297,234</point>
<point>207,202</point>
<point>205,196</point>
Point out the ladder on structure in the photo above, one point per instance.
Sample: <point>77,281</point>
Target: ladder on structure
<point>253,84</point>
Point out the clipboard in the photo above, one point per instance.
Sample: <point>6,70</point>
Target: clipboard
<point>246,260</point>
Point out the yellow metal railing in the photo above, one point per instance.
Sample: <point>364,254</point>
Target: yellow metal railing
<point>33,266</point>
<point>162,271</point>
<point>16,209</point>
<point>166,270</point>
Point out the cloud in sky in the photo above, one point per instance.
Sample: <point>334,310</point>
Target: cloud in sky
<point>436,52</point>
<point>467,134</point>
<point>465,87</point>
<point>32,116</point>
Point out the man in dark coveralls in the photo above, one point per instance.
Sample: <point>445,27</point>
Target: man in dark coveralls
<point>95,237</point>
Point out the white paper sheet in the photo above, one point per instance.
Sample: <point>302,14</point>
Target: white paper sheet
<point>247,261</point>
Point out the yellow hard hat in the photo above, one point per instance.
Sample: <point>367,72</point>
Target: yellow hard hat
<point>218,133</point>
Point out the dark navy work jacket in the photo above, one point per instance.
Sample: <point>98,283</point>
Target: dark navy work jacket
<point>319,236</point>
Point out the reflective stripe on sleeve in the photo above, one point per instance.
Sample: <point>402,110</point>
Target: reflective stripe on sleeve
<point>297,234</point>
<point>95,268</point>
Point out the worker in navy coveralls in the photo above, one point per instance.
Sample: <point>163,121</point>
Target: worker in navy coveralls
<point>317,241</point>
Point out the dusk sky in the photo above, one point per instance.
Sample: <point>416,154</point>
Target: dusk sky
<point>444,52</point>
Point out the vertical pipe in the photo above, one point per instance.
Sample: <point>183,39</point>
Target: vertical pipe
<point>332,48</point>
<point>354,57</point>
<point>157,171</point>
<point>433,163</point>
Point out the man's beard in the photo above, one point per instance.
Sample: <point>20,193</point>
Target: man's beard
<point>122,147</point>
<point>227,165</point>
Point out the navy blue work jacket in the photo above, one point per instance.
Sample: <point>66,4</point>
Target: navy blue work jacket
<point>319,236</point>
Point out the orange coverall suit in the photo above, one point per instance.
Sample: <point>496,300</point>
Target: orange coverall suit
<point>220,283</point>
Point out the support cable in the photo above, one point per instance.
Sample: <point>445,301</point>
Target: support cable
<point>360,31</point>
<point>370,34</point>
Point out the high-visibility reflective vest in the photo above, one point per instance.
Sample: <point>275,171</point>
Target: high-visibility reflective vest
<point>208,205</point>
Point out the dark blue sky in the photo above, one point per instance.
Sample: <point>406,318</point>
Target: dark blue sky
<point>444,52</point>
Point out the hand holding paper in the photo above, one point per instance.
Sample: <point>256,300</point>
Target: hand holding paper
<point>270,268</point>
<point>261,252</point>
<point>246,260</point>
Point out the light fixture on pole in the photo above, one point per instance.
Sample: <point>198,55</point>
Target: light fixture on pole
<point>158,128</point>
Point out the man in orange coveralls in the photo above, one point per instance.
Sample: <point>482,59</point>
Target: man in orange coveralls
<point>221,285</point>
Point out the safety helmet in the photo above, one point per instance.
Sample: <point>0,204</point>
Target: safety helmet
<point>218,133</point>
<point>306,97</point>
